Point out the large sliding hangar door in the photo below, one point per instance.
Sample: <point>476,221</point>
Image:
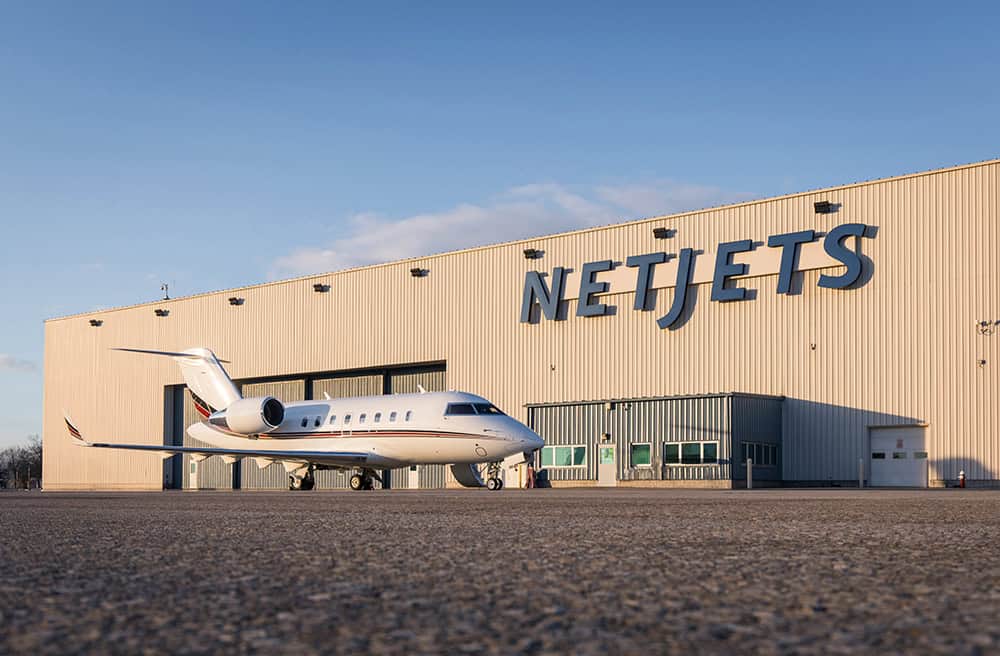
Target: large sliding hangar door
<point>214,473</point>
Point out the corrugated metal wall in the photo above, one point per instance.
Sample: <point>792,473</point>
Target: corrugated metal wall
<point>344,386</point>
<point>756,420</point>
<point>406,383</point>
<point>706,419</point>
<point>901,348</point>
<point>657,422</point>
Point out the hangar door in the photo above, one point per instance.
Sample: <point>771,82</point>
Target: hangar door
<point>898,456</point>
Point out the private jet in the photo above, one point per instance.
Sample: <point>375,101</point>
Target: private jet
<point>365,434</point>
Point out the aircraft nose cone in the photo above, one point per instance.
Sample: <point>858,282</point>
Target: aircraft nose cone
<point>534,441</point>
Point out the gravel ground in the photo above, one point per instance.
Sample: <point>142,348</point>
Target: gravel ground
<point>543,571</point>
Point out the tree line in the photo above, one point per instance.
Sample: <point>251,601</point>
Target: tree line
<point>21,466</point>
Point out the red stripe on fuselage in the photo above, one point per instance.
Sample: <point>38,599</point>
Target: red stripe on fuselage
<point>352,434</point>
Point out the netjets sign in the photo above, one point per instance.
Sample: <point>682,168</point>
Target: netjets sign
<point>735,260</point>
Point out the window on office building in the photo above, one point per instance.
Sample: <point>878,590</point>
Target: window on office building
<point>564,456</point>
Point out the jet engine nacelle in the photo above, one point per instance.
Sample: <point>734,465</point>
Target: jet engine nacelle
<point>251,416</point>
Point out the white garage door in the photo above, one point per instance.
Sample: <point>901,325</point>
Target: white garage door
<point>898,457</point>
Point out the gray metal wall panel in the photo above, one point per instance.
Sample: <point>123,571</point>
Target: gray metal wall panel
<point>757,420</point>
<point>406,383</point>
<point>653,421</point>
<point>272,477</point>
<point>571,424</point>
<point>432,476</point>
<point>344,386</point>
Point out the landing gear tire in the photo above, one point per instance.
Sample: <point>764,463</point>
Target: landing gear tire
<point>304,482</point>
<point>494,484</point>
<point>362,481</point>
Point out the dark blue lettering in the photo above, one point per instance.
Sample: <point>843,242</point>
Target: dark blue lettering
<point>589,288</point>
<point>645,277</point>
<point>535,289</point>
<point>789,245</point>
<point>725,269</point>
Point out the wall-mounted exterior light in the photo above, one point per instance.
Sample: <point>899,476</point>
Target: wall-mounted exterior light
<point>532,253</point>
<point>663,233</point>
<point>418,273</point>
<point>96,323</point>
<point>321,288</point>
<point>160,312</point>
<point>824,207</point>
<point>987,326</point>
<point>235,300</point>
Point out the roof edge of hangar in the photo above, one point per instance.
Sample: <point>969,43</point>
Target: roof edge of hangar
<point>610,226</point>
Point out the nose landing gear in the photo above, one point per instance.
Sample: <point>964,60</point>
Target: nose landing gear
<point>493,480</point>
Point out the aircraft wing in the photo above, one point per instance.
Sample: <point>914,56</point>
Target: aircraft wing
<point>336,458</point>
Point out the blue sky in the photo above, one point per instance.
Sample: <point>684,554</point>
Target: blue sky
<point>216,144</point>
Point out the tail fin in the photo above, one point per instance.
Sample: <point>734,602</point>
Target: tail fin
<point>204,375</point>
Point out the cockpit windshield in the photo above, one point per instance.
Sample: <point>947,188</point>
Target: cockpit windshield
<point>487,409</point>
<point>472,409</point>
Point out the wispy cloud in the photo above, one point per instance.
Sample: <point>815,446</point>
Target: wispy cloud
<point>10,363</point>
<point>518,213</point>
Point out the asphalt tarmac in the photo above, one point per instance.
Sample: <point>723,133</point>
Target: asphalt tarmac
<point>469,571</point>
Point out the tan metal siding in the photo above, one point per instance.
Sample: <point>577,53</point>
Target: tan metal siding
<point>900,349</point>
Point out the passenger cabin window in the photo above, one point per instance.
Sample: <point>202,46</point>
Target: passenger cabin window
<point>305,422</point>
<point>319,420</point>
<point>362,418</point>
<point>347,419</point>
<point>487,409</point>
<point>333,419</point>
<point>409,414</point>
<point>392,416</point>
<point>378,417</point>
<point>459,409</point>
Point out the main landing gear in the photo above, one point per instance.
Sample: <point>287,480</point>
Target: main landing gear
<point>364,480</point>
<point>302,481</point>
<point>493,480</point>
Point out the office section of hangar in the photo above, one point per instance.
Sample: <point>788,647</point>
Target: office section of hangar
<point>869,308</point>
<point>687,441</point>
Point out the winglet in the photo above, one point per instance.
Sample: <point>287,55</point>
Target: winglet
<point>74,432</point>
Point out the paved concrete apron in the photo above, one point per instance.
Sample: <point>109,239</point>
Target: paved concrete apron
<point>545,571</point>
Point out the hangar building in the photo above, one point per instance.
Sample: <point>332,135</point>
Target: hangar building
<point>827,334</point>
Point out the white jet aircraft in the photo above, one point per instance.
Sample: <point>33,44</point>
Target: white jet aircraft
<point>364,434</point>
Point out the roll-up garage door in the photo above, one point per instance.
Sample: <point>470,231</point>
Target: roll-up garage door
<point>429,476</point>
<point>338,388</point>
